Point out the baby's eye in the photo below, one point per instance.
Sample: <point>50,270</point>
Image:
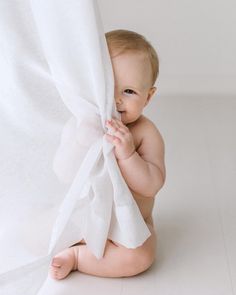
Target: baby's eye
<point>129,91</point>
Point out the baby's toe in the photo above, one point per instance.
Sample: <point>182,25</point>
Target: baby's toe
<point>57,262</point>
<point>53,272</point>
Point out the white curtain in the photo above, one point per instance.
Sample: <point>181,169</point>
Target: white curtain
<point>59,179</point>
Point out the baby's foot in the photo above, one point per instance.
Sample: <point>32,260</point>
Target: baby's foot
<point>64,262</point>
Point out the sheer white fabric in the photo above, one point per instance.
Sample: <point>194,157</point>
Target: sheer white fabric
<point>60,181</point>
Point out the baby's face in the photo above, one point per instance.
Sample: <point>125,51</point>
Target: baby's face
<point>132,74</point>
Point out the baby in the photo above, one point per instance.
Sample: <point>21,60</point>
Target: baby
<point>139,150</point>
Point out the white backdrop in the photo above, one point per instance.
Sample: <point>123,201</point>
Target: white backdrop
<point>196,40</point>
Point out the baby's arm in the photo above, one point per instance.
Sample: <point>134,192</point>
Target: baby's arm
<point>144,171</point>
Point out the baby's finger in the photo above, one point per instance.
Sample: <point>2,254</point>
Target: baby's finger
<point>112,139</point>
<point>114,123</point>
<point>119,122</point>
<point>121,125</point>
<point>114,127</point>
<point>120,135</point>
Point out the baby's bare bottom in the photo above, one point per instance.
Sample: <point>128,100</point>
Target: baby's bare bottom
<point>118,261</point>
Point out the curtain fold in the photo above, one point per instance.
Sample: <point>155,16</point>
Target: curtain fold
<point>60,181</point>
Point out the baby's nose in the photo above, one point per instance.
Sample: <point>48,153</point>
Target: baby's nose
<point>118,100</point>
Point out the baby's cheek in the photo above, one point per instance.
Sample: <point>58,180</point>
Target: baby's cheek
<point>136,110</point>
<point>131,107</point>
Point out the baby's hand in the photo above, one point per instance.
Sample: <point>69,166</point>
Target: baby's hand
<point>122,139</point>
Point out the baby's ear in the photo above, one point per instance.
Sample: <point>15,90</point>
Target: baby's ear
<point>151,93</point>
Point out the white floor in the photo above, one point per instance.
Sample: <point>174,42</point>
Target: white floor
<point>195,213</point>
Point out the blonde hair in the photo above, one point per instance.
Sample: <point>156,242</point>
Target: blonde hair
<point>122,41</point>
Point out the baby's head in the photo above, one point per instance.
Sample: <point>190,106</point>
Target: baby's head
<point>136,67</point>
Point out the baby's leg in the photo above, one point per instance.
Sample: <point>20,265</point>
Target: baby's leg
<point>118,261</point>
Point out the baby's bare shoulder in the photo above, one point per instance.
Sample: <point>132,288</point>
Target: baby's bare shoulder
<point>145,128</point>
<point>150,133</point>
